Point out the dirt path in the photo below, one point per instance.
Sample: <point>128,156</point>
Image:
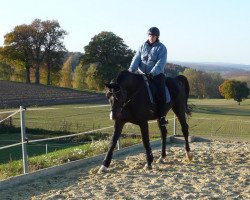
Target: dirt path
<point>220,170</point>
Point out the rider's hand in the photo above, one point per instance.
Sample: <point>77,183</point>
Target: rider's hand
<point>149,76</point>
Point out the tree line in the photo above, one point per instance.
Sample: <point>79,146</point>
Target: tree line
<point>36,53</point>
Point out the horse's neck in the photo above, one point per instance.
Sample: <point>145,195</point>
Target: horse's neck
<point>130,82</point>
<point>133,83</point>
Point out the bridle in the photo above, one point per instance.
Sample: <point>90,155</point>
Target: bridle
<point>122,106</point>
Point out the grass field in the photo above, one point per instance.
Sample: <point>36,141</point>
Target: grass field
<point>216,118</point>
<point>220,118</point>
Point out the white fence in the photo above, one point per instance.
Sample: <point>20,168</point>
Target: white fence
<point>25,141</point>
<point>213,128</point>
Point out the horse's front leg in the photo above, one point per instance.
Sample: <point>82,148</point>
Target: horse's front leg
<point>146,143</point>
<point>107,160</point>
<point>163,130</point>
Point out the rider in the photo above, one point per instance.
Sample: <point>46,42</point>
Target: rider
<point>151,59</point>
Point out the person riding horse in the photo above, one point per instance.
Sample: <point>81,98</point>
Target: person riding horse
<point>150,59</point>
<point>130,103</point>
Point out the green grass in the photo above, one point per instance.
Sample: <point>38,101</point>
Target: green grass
<point>220,118</point>
<point>14,168</point>
<point>216,118</point>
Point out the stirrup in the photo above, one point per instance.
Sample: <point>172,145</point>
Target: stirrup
<point>163,121</point>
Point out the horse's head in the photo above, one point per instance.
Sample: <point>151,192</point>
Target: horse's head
<point>117,98</point>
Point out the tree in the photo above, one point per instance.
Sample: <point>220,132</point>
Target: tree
<point>195,81</point>
<point>5,71</point>
<point>109,52</point>
<point>173,70</point>
<point>79,78</point>
<point>53,62</point>
<point>92,80</point>
<point>18,48</point>
<point>75,58</point>
<point>216,81</point>
<point>202,84</point>
<point>31,45</point>
<point>66,76</point>
<point>236,90</point>
<point>47,39</point>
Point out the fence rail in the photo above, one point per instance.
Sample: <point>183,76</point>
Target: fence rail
<point>11,145</point>
<point>213,128</point>
<point>13,113</point>
<point>25,140</point>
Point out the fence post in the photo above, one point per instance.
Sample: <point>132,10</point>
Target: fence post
<point>119,146</point>
<point>174,124</point>
<point>24,141</point>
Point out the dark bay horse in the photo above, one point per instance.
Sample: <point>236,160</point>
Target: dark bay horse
<point>130,102</point>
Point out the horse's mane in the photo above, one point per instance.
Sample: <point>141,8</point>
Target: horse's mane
<point>126,76</point>
<point>121,75</point>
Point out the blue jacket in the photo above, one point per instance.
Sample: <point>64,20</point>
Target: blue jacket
<point>150,59</point>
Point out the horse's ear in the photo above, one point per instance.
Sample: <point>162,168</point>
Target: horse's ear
<point>112,85</point>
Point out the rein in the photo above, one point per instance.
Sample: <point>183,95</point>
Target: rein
<point>115,93</point>
<point>126,102</point>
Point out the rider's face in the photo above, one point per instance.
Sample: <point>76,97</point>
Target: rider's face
<point>152,38</point>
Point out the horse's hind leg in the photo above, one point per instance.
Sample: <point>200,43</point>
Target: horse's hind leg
<point>145,140</point>
<point>184,127</point>
<point>163,130</point>
<point>107,160</point>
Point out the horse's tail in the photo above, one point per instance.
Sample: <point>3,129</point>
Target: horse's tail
<point>184,81</point>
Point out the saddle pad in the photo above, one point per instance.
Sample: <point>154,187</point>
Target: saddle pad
<point>168,98</point>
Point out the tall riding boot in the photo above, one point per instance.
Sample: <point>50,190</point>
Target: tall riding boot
<point>161,100</point>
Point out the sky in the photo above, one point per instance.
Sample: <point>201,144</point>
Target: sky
<point>192,30</point>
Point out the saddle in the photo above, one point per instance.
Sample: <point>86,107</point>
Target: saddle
<point>171,89</point>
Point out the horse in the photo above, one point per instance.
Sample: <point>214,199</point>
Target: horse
<point>130,102</point>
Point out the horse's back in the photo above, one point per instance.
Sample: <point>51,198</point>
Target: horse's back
<point>173,86</point>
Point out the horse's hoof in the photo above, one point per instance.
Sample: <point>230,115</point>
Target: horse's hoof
<point>102,169</point>
<point>160,160</point>
<point>147,167</point>
<point>189,156</point>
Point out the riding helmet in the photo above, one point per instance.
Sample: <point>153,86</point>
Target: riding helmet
<point>154,31</point>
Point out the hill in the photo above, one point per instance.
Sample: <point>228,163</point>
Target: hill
<point>239,76</point>
<point>14,94</point>
<point>222,68</point>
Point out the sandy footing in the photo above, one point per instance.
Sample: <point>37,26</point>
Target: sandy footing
<point>220,170</point>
